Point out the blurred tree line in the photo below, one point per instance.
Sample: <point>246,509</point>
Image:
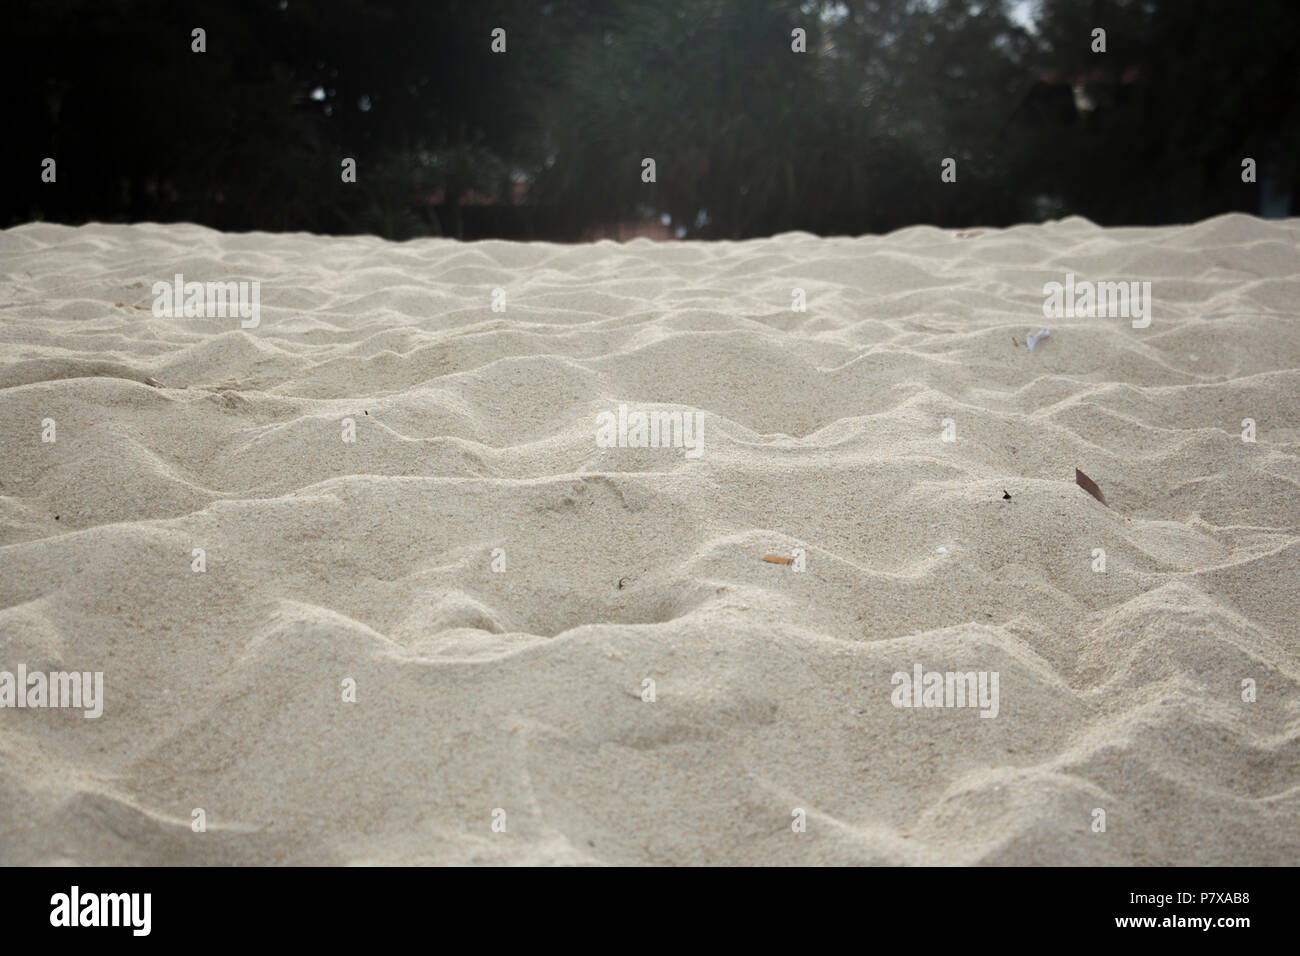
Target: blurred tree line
<point>546,140</point>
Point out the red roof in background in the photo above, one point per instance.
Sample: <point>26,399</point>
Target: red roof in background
<point>1092,77</point>
<point>518,196</point>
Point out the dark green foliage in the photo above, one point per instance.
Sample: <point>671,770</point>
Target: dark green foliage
<point>749,138</point>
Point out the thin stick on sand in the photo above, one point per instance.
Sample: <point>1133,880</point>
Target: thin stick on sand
<point>777,559</point>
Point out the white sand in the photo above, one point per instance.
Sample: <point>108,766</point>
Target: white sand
<point>522,690</point>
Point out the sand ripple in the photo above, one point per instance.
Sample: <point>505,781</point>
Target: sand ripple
<point>522,690</point>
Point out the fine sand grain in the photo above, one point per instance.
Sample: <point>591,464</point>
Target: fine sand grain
<point>519,694</point>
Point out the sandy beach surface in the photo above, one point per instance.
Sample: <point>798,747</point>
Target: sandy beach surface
<point>478,633</point>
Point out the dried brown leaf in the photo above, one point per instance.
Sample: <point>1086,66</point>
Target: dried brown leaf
<point>1088,485</point>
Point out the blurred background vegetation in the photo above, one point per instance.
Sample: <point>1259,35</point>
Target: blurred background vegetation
<point>546,140</point>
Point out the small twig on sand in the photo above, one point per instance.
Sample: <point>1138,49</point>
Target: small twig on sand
<point>157,384</point>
